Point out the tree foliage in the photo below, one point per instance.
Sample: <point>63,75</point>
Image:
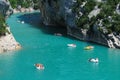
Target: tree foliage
<point>25,3</point>
<point>110,19</point>
<point>3,29</point>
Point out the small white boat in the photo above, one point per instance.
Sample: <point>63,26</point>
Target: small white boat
<point>58,34</point>
<point>39,66</point>
<point>71,45</point>
<point>96,60</point>
<point>22,22</point>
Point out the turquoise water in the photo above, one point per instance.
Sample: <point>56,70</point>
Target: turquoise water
<point>40,45</point>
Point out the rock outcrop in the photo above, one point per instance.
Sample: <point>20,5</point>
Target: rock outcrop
<point>57,12</point>
<point>5,8</point>
<point>81,22</point>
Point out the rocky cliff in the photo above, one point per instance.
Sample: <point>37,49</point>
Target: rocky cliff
<point>89,20</point>
<point>5,8</point>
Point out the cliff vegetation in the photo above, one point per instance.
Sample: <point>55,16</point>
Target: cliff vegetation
<point>105,16</point>
<point>3,26</point>
<point>25,3</point>
<point>89,20</point>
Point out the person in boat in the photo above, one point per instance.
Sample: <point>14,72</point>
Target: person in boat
<point>39,66</point>
<point>96,60</point>
<point>58,34</point>
<point>71,45</point>
<point>88,47</point>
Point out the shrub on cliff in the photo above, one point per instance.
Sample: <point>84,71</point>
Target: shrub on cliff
<point>110,19</point>
<point>25,3</point>
<point>3,29</point>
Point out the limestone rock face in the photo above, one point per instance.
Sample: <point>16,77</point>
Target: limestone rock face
<point>57,12</point>
<point>5,8</point>
<point>69,13</point>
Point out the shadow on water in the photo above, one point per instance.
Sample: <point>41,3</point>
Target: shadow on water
<point>35,20</point>
<point>31,18</point>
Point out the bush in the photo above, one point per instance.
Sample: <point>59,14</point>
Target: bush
<point>24,3</point>
<point>89,6</point>
<point>82,21</point>
<point>3,29</point>
<point>107,9</point>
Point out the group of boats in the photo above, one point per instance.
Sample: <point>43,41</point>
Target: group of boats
<point>22,22</point>
<point>74,45</point>
<point>94,60</point>
<point>86,48</point>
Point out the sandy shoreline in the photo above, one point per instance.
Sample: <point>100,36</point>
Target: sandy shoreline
<point>8,43</point>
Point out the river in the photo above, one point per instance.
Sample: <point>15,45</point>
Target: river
<point>40,45</point>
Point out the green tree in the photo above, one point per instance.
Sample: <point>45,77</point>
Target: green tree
<point>3,29</point>
<point>89,6</point>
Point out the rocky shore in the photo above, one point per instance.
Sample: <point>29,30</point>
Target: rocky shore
<point>23,10</point>
<point>8,43</point>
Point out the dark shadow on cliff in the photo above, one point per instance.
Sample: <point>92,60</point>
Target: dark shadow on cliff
<point>31,18</point>
<point>35,20</point>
